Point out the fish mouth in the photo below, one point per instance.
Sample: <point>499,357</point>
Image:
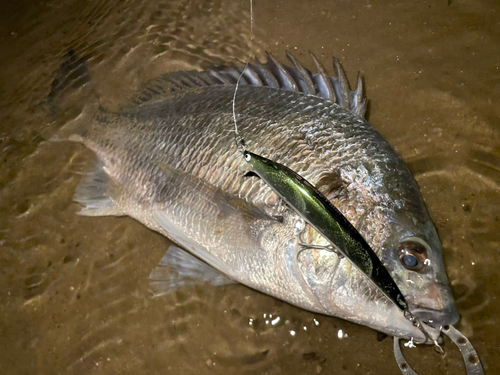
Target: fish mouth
<point>436,308</point>
<point>436,318</point>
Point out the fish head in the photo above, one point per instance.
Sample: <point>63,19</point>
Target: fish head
<point>343,291</point>
<point>414,259</point>
<point>413,256</point>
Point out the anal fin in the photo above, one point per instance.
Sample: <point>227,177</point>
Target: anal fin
<point>179,268</point>
<point>94,192</point>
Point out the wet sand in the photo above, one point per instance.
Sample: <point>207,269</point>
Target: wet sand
<point>74,290</point>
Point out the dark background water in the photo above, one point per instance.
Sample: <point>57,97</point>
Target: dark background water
<point>73,290</point>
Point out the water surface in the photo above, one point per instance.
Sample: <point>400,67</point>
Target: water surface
<point>73,290</point>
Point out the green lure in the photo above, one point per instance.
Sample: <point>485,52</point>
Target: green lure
<point>313,206</point>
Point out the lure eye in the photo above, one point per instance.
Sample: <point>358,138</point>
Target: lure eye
<point>412,255</point>
<point>247,157</point>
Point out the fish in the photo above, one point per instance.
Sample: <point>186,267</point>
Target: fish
<point>169,160</point>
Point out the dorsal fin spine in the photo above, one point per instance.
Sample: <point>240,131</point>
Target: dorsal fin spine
<point>286,81</point>
<point>302,74</point>
<point>322,80</point>
<point>342,86</point>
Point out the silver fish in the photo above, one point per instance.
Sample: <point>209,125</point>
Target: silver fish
<point>169,160</point>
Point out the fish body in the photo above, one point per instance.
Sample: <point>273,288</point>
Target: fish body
<point>169,160</point>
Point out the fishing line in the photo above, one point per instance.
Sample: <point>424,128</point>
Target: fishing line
<point>240,144</point>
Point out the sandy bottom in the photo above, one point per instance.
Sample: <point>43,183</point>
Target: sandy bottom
<point>73,290</point>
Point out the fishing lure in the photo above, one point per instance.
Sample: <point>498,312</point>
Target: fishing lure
<point>323,216</point>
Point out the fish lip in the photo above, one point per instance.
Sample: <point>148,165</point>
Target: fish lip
<point>436,318</point>
<point>408,330</point>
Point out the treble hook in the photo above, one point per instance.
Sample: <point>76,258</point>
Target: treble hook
<point>418,324</point>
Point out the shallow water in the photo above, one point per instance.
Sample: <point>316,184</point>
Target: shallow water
<point>73,290</point>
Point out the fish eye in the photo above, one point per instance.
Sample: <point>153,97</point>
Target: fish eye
<point>409,261</point>
<point>412,255</point>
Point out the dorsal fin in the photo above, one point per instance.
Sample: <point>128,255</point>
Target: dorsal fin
<point>271,74</point>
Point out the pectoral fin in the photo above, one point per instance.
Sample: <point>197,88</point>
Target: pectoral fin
<point>179,268</point>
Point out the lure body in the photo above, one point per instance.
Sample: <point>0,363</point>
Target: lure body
<point>323,216</point>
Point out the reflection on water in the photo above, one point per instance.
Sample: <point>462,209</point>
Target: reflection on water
<point>74,289</point>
